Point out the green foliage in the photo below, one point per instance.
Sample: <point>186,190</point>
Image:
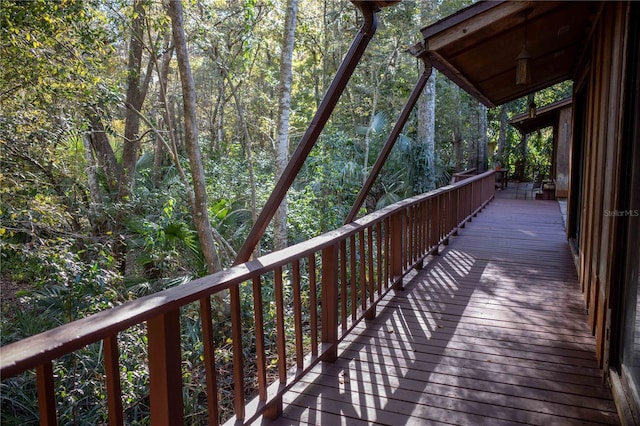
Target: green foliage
<point>54,46</point>
<point>536,158</point>
<point>69,249</point>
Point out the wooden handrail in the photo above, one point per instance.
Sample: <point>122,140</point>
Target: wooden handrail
<point>465,174</point>
<point>359,263</point>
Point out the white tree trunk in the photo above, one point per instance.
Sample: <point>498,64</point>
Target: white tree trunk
<point>502,137</point>
<point>284,110</point>
<point>456,131</point>
<point>482,137</point>
<point>427,133</point>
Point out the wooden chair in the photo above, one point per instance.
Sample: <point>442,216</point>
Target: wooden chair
<point>537,187</point>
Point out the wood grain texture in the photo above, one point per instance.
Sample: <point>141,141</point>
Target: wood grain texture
<point>491,332</point>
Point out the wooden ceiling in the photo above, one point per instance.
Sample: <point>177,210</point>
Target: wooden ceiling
<point>477,46</point>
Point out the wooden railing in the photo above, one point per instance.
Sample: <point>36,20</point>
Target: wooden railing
<point>345,273</point>
<point>465,174</point>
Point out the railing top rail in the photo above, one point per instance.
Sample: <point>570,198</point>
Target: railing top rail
<point>52,344</point>
<point>470,171</point>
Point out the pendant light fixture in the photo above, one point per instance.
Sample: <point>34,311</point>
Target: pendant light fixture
<point>532,109</point>
<point>523,60</point>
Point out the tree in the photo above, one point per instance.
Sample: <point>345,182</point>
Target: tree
<point>426,134</point>
<point>136,92</point>
<point>284,110</point>
<point>502,135</point>
<point>456,129</point>
<point>482,137</point>
<point>197,199</point>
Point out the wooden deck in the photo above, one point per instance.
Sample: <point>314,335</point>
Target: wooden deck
<point>492,332</point>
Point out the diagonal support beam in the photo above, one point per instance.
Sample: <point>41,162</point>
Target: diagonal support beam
<point>358,46</point>
<point>418,51</point>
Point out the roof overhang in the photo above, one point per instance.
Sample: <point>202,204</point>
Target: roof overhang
<point>477,46</point>
<point>545,117</point>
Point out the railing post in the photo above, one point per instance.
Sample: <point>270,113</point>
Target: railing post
<point>330,301</point>
<point>165,372</point>
<point>46,394</point>
<point>434,229</point>
<point>449,213</point>
<point>206,319</point>
<point>114,388</point>
<point>236,337</point>
<point>397,222</point>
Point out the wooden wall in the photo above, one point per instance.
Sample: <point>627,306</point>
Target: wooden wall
<point>601,83</point>
<point>562,155</point>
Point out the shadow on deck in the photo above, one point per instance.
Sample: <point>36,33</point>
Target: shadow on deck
<point>493,331</point>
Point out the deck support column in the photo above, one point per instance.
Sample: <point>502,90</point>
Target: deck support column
<point>165,372</point>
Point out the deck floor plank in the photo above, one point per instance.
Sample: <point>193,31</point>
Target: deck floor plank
<point>491,332</point>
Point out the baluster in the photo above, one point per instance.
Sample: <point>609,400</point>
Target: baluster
<point>363,272</point>
<point>379,269</point>
<point>423,227</point>
<point>344,296</point>
<point>352,276</point>
<point>448,214</point>
<point>112,371</point>
<point>437,223</point>
<point>258,316</point>
<point>280,343</point>
<point>371,310</point>
<point>297,313</point>
<point>46,394</point>
<point>424,245</point>
<point>370,259</point>
<point>206,319</point>
<point>408,238</point>
<point>387,252</point>
<point>396,249</point>
<point>412,236</point>
<point>238,359</point>
<point>313,302</point>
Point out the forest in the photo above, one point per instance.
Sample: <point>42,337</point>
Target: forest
<point>140,139</point>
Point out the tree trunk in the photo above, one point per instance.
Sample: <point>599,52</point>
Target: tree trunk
<point>482,137</point>
<point>284,110</point>
<point>199,208</point>
<point>502,136</point>
<point>456,132</point>
<point>458,148</point>
<point>133,103</point>
<point>95,207</point>
<point>521,167</point>
<point>164,119</point>
<point>248,147</point>
<point>472,143</point>
<point>426,135</point>
<point>370,128</point>
<point>104,152</point>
